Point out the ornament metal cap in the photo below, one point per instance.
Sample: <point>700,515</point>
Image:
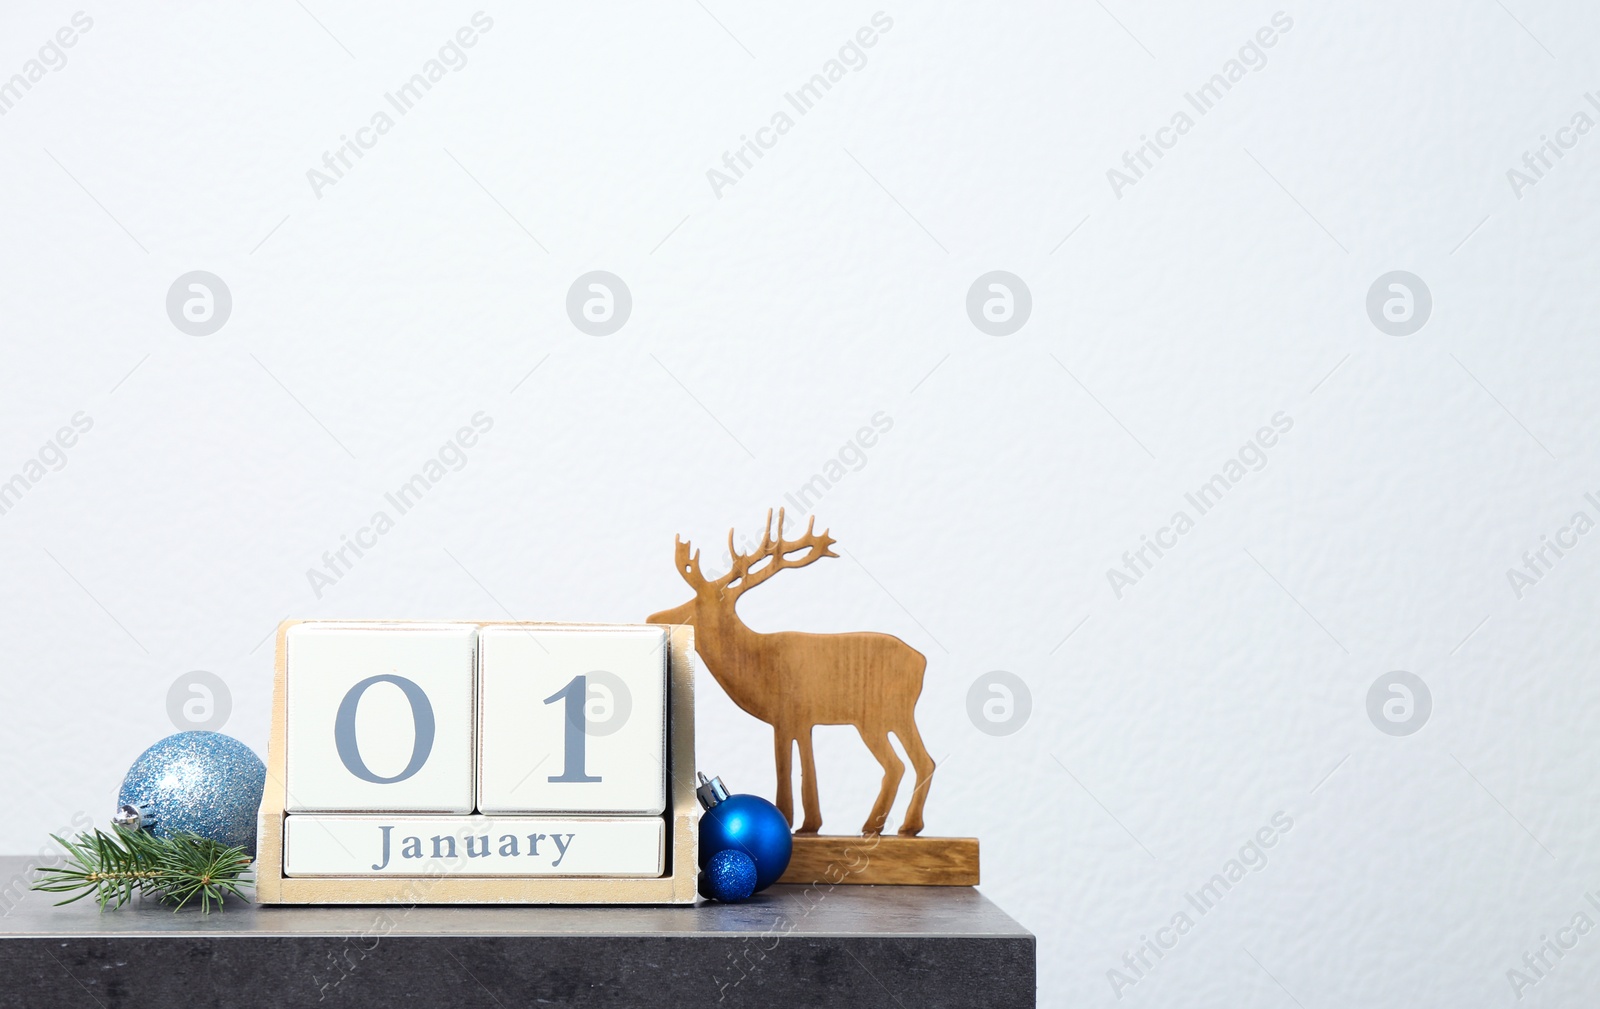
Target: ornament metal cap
<point>128,816</point>
<point>711,791</point>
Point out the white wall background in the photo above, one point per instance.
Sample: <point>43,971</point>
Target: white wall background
<point>769,324</point>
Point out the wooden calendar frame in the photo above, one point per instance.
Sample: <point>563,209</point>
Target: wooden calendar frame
<point>676,886</point>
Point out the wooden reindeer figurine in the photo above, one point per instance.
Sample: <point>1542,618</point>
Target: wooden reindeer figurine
<point>793,680</point>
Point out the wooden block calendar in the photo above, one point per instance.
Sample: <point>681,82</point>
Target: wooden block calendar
<point>458,762</point>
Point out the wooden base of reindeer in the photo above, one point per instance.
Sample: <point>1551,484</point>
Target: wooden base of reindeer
<point>885,859</point>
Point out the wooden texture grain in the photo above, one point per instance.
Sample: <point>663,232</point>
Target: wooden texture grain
<point>885,859</point>
<point>795,681</point>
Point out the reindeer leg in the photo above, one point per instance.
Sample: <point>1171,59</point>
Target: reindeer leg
<point>912,740</point>
<point>783,751</point>
<point>893,769</point>
<point>808,786</point>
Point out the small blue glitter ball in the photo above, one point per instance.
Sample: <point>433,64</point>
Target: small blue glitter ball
<point>729,876</point>
<point>199,783</point>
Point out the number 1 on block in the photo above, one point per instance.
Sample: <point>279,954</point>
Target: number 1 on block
<point>572,720</point>
<point>576,694</point>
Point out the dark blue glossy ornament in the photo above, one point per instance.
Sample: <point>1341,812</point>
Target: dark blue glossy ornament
<point>744,823</point>
<point>195,782</point>
<point>729,876</point>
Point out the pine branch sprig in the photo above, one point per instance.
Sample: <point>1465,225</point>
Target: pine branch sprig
<point>114,867</point>
<point>193,866</point>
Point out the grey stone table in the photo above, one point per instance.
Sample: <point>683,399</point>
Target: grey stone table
<point>893,946</point>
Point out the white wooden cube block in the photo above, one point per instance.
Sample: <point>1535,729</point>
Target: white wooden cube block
<point>432,846</point>
<point>380,717</point>
<point>572,719</point>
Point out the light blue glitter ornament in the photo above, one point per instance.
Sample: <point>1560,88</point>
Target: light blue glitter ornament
<point>196,782</point>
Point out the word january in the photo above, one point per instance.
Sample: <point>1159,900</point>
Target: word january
<point>444,846</point>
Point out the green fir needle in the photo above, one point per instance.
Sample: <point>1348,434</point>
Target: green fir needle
<point>113,867</point>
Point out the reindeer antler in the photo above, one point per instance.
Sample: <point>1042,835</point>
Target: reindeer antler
<point>688,562</point>
<point>776,554</point>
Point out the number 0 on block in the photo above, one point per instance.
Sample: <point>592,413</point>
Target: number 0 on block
<point>380,717</point>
